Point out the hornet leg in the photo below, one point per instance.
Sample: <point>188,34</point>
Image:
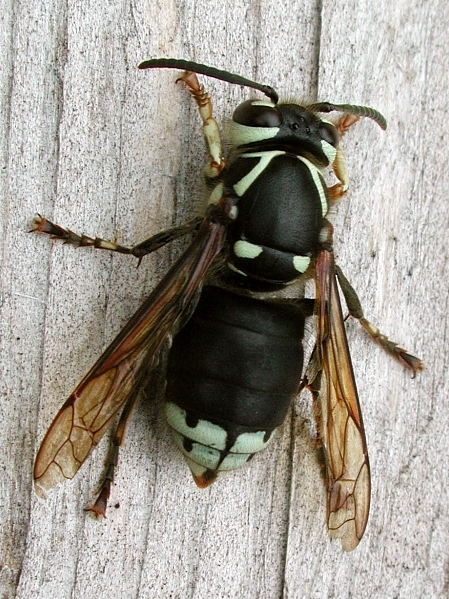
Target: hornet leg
<point>42,225</point>
<point>356,311</point>
<point>210,126</point>
<point>337,191</point>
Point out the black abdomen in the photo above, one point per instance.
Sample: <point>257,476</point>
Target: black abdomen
<point>232,373</point>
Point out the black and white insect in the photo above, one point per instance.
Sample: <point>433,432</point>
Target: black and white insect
<point>236,360</point>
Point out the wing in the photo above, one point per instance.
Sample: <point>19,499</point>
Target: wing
<point>90,409</point>
<point>342,432</point>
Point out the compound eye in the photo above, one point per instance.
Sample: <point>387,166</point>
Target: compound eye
<point>257,113</point>
<point>329,133</point>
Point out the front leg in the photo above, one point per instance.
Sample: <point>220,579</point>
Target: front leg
<point>211,130</point>
<point>337,191</point>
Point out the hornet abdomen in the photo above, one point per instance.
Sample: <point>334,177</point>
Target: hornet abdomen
<point>232,373</point>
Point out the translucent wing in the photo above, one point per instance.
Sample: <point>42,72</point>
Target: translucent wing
<point>90,409</point>
<point>342,432</point>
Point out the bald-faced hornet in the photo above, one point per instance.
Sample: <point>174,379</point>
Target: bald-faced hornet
<point>236,360</point>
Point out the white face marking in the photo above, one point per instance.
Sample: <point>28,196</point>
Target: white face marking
<point>240,272</point>
<point>241,135</point>
<point>328,150</point>
<point>216,195</point>
<point>205,432</point>
<point>317,179</point>
<point>251,442</point>
<point>301,263</point>
<point>244,249</point>
<point>263,103</point>
<point>265,158</point>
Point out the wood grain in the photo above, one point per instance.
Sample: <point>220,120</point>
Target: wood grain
<point>97,146</point>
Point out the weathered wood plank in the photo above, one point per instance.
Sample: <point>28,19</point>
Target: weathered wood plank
<point>92,143</point>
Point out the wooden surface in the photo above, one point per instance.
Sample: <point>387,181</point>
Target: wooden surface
<point>92,143</point>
